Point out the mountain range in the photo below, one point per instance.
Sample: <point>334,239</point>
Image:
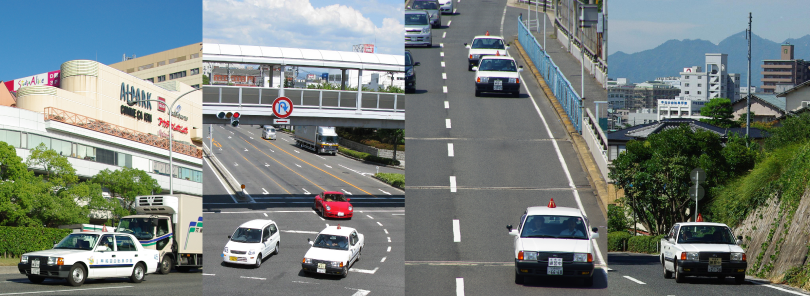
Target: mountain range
<point>669,58</point>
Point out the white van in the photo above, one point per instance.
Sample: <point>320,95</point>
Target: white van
<point>269,132</point>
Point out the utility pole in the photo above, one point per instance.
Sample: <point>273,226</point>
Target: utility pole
<point>748,85</point>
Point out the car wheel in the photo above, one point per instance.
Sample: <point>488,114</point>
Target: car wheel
<point>667,273</point>
<point>77,275</point>
<point>739,279</point>
<point>259,260</point>
<point>477,93</point>
<point>137,273</point>
<point>346,271</point>
<point>518,279</point>
<point>275,252</point>
<point>166,265</point>
<point>679,278</point>
<point>36,279</point>
<point>588,282</point>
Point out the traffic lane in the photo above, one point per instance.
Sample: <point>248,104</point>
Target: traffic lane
<point>175,283</point>
<point>432,168</point>
<point>492,279</point>
<point>647,269</point>
<point>508,163</point>
<point>283,271</point>
<point>427,112</point>
<point>214,190</point>
<point>428,228</point>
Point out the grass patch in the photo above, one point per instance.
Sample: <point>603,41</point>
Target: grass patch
<point>397,180</point>
<point>368,157</point>
<point>9,261</point>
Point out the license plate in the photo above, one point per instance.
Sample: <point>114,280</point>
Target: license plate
<point>321,267</point>
<point>34,263</point>
<point>715,268</point>
<point>554,261</point>
<point>232,258</point>
<point>340,214</point>
<point>554,270</point>
<point>714,261</point>
<point>498,85</point>
<point>35,270</point>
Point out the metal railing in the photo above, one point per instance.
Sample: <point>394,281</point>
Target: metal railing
<point>559,85</point>
<point>597,142</point>
<point>305,98</point>
<point>82,121</point>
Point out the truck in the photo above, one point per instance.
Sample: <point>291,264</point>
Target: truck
<point>321,139</point>
<point>170,224</point>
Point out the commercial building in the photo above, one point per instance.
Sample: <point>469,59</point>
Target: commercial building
<point>784,73</point>
<point>87,119</point>
<point>715,82</point>
<point>181,64</point>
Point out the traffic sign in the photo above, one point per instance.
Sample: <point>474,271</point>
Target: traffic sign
<point>282,107</point>
<point>281,121</point>
<point>698,175</point>
<point>696,192</point>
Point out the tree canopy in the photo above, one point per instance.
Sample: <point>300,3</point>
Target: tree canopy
<point>720,112</point>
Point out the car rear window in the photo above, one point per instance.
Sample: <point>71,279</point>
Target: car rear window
<point>497,65</point>
<point>416,19</point>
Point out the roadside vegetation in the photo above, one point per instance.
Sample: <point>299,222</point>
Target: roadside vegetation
<point>396,180</point>
<point>368,157</point>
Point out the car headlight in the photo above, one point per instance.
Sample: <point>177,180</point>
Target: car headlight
<point>739,257</point>
<point>690,256</point>
<point>425,30</point>
<point>225,251</point>
<point>307,260</point>
<point>530,256</point>
<point>251,252</point>
<point>583,257</point>
<point>350,208</point>
<point>514,80</point>
<point>409,72</point>
<point>24,259</point>
<point>328,208</point>
<point>483,79</point>
<point>51,260</point>
<point>337,264</point>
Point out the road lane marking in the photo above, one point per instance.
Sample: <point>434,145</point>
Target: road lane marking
<point>321,157</point>
<point>442,64</point>
<point>221,182</point>
<point>266,165</point>
<point>211,274</point>
<point>383,259</point>
<point>445,34</point>
<point>446,105</point>
<point>450,150</point>
<point>452,183</point>
<point>305,191</point>
<point>450,21</point>
<point>397,214</point>
<point>302,282</point>
<point>444,76</point>
<point>386,230</point>
<point>327,165</point>
<point>441,45</point>
<point>298,165</point>
<point>69,290</point>
<point>253,278</point>
<point>265,154</point>
<point>300,231</point>
<point>268,177</point>
<point>246,150</point>
<point>372,271</point>
<point>389,249</point>
<point>456,231</point>
<point>361,292</point>
<point>265,192</point>
<point>635,280</point>
<point>319,216</point>
<point>265,214</point>
<point>444,89</point>
<point>441,53</point>
<point>356,171</point>
<point>503,17</point>
<point>344,190</point>
<point>296,151</point>
<point>447,122</point>
<point>383,191</point>
<point>459,286</point>
<point>389,239</point>
<point>369,216</point>
<point>783,289</point>
<point>235,164</point>
<point>378,223</point>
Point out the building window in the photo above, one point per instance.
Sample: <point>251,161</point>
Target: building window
<point>686,77</point>
<point>197,86</point>
<point>196,55</point>
<point>105,156</point>
<point>176,75</point>
<point>11,137</point>
<point>152,80</point>
<point>144,67</point>
<point>699,92</point>
<point>161,63</point>
<point>161,78</point>
<point>85,152</point>
<point>687,85</point>
<point>686,92</point>
<point>700,85</point>
<point>195,71</point>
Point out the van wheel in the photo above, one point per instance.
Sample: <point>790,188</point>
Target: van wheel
<point>259,260</point>
<point>77,275</point>
<point>137,273</point>
<point>346,271</point>
<point>275,252</point>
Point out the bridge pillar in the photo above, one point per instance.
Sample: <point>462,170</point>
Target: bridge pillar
<point>283,80</point>
<point>359,89</point>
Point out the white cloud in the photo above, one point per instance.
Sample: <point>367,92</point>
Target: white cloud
<point>297,23</point>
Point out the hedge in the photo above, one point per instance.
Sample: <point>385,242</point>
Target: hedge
<point>16,241</point>
<point>397,180</point>
<point>617,241</point>
<point>368,157</point>
<point>644,244</point>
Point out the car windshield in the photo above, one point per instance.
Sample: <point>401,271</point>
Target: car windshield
<point>329,139</point>
<point>425,5</point>
<point>416,19</point>
<point>329,241</point>
<point>78,241</point>
<point>497,65</point>
<point>547,226</point>
<point>490,43</point>
<point>408,61</point>
<point>247,235</point>
<point>334,197</point>
<point>141,228</point>
<point>699,234</point>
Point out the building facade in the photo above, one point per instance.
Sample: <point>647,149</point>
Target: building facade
<point>786,71</point>
<point>715,82</point>
<point>182,64</point>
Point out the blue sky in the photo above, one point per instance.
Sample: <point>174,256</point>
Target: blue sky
<point>313,24</point>
<point>40,36</point>
<point>637,25</point>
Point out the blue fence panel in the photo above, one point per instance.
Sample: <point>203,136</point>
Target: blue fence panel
<point>559,85</point>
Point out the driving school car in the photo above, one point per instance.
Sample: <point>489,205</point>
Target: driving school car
<point>497,74</point>
<point>334,251</point>
<point>702,249</point>
<point>90,255</point>
<point>553,242</point>
<point>484,45</point>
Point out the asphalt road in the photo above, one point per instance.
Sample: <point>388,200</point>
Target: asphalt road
<point>503,159</point>
<point>641,274</point>
<point>174,283</point>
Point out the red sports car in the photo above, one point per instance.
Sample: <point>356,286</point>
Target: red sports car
<point>333,204</point>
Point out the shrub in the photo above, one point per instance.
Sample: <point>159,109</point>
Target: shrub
<point>617,241</point>
<point>368,157</point>
<point>617,218</point>
<point>18,240</point>
<point>397,180</point>
<point>644,244</point>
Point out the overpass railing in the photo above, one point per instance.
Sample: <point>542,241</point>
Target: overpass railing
<point>305,98</point>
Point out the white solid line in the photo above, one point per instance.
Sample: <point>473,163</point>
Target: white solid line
<point>452,183</point>
<point>365,270</point>
<point>447,122</point>
<point>378,223</point>
<point>361,292</point>
<point>783,290</point>
<point>265,214</point>
<point>446,105</point>
<point>459,286</point>
<point>635,280</point>
<point>442,64</point>
<point>441,53</point>
<point>305,191</point>
<point>444,89</point>
<point>327,166</point>
<point>397,214</point>
<point>264,191</point>
<point>386,230</point>
<point>69,290</point>
<point>298,165</point>
<point>211,274</point>
<point>319,216</point>
<point>389,239</point>
<point>503,17</point>
<point>455,10</point>
<point>221,182</point>
<point>456,231</point>
<point>389,249</point>
<point>253,278</point>
<point>300,231</point>
<point>369,216</point>
<point>448,24</point>
<point>445,34</point>
<point>344,190</point>
<point>383,259</point>
<point>450,150</point>
<point>444,76</point>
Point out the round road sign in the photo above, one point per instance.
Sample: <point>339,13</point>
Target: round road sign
<point>696,192</point>
<point>282,107</point>
<point>698,175</point>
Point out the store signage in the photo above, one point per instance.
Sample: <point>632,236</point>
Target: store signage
<point>163,134</point>
<point>175,127</point>
<point>130,93</point>
<point>177,115</point>
<point>135,113</point>
<point>161,104</point>
<point>50,78</point>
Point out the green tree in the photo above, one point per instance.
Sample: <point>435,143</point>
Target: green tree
<point>58,169</point>
<point>127,183</point>
<point>794,129</point>
<point>720,112</point>
<point>617,218</point>
<point>206,80</point>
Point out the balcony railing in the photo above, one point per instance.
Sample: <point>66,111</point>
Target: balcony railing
<point>305,98</point>
<point>93,124</point>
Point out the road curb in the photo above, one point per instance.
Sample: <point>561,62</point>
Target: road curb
<point>583,152</point>
<point>237,189</point>
<point>386,183</point>
<point>9,270</point>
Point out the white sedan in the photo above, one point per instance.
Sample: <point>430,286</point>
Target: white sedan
<point>497,74</point>
<point>334,251</point>
<point>91,255</point>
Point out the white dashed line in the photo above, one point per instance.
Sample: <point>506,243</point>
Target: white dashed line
<point>369,216</point>
<point>455,10</point>
<point>444,35</point>
<point>319,216</point>
<point>635,280</point>
<point>266,165</point>
<point>246,150</point>
<point>264,191</point>
<point>328,166</point>
<point>442,64</point>
<point>452,183</point>
<point>378,223</point>
<point>361,292</point>
<point>365,270</point>
<point>389,239</point>
<point>441,45</point>
<point>296,151</point>
<point>265,214</point>
<point>305,191</point>
<point>253,278</point>
<point>448,23</point>
<point>383,259</point>
<point>450,150</point>
<point>271,150</point>
<point>456,231</point>
<point>444,89</point>
<point>211,274</point>
<point>446,105</point>
<point>444,76</point>
<point>441,53</point>
<point>344,191</point>
<point>298,165</point>
<point>447,122</point>
<point>389,249</point>
<point>459,286</point>
<point>386,230</point>
<point>386,192</point>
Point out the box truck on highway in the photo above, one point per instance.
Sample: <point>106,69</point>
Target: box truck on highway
<point>321,139</point>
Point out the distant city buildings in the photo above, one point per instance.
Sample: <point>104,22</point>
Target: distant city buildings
<point>785,73</point>
<point>715,82</point>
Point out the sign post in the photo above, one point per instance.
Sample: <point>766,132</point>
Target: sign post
<point>697,175</point>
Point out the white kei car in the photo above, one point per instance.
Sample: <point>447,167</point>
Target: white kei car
<point>553,242</point>
<point>252,242</point>
<point>91,255</point>
<point>334,251</point>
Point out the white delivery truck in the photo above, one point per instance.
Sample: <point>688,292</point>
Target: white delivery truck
<point>87,227</point>
<point>171,224</point>
<point>321,139</point>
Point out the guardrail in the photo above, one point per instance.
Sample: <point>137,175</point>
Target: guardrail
<point>597,142</point>
<point>559,85</point>
<point>305,98</point>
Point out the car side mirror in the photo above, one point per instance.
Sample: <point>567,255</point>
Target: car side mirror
<point>739,237</point>
<point>417,64</point>
<point>509,227</point>
<point>408,7</point>
<point>595,229</point>
<point>310,242</point>
<point>475,68</point>
<point>229,237</point>
<point>594,235</point>
<point>514,232</point>
<point>739,242</point>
